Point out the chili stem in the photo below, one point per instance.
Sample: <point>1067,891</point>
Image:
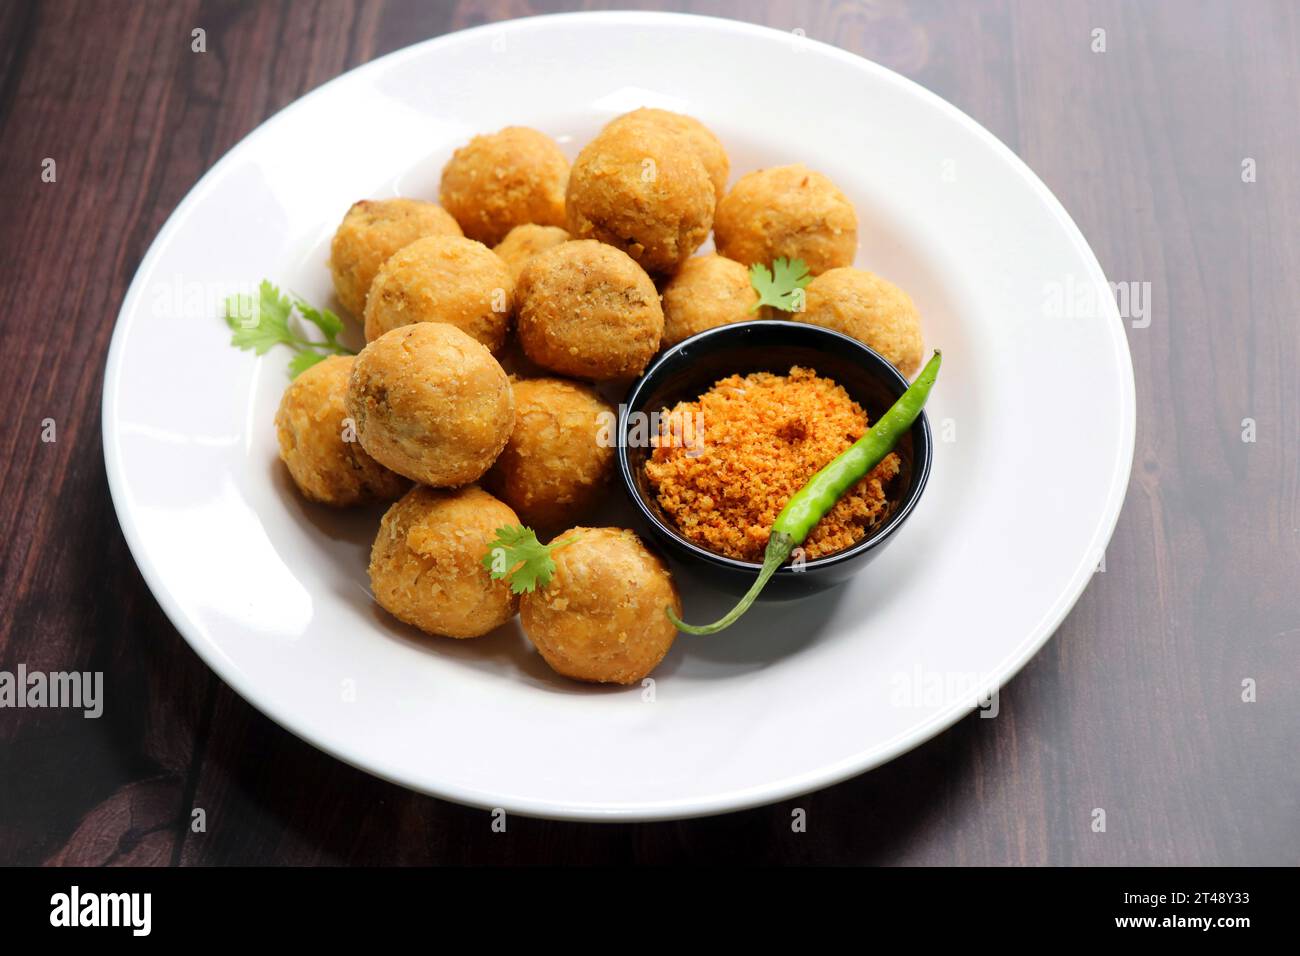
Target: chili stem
<point>779,546</point>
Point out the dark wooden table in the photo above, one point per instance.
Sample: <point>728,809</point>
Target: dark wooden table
<point>1135,707</point>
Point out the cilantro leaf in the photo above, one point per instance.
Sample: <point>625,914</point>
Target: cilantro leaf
<point>517,556</point>
<point>323,319</point>
<point>266,320</point>
<point>274,305</point>
<point>303,361</point>
<point>778,287</point>
<point>259,323</point>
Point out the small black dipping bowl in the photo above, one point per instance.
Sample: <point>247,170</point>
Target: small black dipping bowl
<point>689,369</point>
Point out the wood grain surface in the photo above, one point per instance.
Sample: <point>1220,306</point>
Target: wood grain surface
<point>1136,705</point>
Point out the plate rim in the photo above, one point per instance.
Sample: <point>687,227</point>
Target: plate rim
<point>725,801</point>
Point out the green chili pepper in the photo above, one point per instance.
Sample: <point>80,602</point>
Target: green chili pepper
<point>811,502</point>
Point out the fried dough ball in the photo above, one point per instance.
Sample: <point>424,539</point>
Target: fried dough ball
<point>601,617</point>
<point>871,310</point>
<point>523,242</point>
<point>707,292</point>
<point>694,134</point>
<point>503,180</point>
<point>443,279</point>
<point>635,187</point>
<point>373,230</point>
<point>585,309</point>
<point>431,403</point>
<point>560,455</point>
<point>317,446</point>
<point>426,563</point>
<point>787,211</point>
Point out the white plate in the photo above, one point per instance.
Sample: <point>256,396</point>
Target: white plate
<point>1033,418</point>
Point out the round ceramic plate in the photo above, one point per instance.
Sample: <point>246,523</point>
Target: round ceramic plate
<point>1033,420</point>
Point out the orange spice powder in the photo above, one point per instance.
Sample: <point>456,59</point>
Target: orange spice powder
<point>763,436</point>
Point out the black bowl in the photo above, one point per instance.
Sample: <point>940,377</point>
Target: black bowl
<point>688,370</point>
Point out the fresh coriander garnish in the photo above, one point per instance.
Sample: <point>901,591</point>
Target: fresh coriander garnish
<point>518,556</point>
<point>259,323</point>
<point>777,286</point>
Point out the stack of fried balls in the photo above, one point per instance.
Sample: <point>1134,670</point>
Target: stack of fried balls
<point>570,276</point>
